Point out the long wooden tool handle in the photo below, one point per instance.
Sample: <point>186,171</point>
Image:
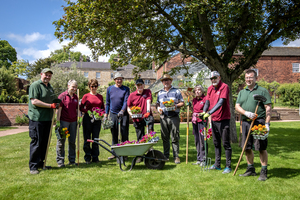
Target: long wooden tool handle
<point>245,142</point>
<point>78,126</point>
<point>187,131</point>
<point>49,139</point>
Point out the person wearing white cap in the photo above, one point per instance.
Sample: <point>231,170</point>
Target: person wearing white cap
<point>116,105</point>
<point>218,105</point>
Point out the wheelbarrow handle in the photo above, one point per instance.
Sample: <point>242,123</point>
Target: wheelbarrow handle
<point>90,141</point>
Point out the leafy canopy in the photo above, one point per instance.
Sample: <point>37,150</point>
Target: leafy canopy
<point>210,31</point>
<point>8,54</point>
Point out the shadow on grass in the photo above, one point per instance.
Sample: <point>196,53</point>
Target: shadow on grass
<point>283,173</point>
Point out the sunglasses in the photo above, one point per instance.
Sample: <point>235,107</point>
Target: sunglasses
<point>94,86</point>
<point>213,78</point>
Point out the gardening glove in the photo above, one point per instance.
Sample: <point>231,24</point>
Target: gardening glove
<point>79,120</point>
<point>53,105</point>
<point>206,115</point>
<point>146,115</point>
<point>250,115</point>
<point>188,104</point>
<point>121,113</point>
<point>203,113</point>
<point>268,126</point>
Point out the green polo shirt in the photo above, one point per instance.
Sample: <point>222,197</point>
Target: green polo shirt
<point>247,102</point>
<point>38,90</point>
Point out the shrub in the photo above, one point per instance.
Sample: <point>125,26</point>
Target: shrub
<point>289,93</point>
<point>23,99</point>
<point>21,120</point>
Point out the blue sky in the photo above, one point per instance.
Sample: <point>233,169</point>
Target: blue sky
<point>27,26</point>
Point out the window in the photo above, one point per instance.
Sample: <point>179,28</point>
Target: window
<point>147,82</point>
<point>112,75</point>
<point>86,74</point>
<point>296,68</point>
<point>256,70</point>
<point>97,74</point>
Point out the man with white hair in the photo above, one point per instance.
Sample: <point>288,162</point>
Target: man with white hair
<point>116,105</point>
<point>218,105</point>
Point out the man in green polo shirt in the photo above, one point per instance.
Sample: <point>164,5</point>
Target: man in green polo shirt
<point>40,112</point>
<point>246,106</point>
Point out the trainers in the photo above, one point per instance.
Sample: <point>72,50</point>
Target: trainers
<point>72,163</point>
<point>263,174</point>
<point>202,164</point>
<point>34,171</point>
<point>197,163</point>
<point>177,160</point>
<point>249,172</point>
<point>111,157</point>
<point>227,170</point>
<point>61,165</point>
<point>214,167</point>
<point>87,162</point>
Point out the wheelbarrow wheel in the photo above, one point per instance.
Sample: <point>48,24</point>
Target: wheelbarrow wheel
<point>153,163</point>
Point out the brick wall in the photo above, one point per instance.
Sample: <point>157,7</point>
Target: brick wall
<point>279,69</point>
<point>9,112</point>
<point>173,62</point>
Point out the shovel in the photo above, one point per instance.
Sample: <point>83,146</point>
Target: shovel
<point>49,139</point>
<point>258,98</point>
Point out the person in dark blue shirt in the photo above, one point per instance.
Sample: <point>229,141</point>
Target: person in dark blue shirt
<point>116,106</point>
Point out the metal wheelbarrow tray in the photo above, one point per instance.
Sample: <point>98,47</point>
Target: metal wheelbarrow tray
<point>153,159</point>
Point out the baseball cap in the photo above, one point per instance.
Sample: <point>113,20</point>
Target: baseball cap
<point>214,74</point>
<point>139,81</point>
<point>47,70</point>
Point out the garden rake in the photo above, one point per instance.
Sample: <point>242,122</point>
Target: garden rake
<point>258,98</point>
<point>206,160</point>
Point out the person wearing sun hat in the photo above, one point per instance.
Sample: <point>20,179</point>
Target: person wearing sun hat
<point>116,106</point>
<point>217,102</point>
<point>169,119</point>
<point>40,112</point>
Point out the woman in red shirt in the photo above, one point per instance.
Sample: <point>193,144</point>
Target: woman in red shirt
<point>198,125</point>
<point>91,128</point>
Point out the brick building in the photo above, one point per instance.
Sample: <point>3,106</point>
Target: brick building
<point>104,74</point>
<point>171,63</point>
<point>281,64</point>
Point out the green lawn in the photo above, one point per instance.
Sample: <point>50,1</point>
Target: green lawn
<point>183,181</point>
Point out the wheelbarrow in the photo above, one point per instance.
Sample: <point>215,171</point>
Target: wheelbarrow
<point>153,159</point>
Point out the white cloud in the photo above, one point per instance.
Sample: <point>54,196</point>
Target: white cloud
<point>54,45</point>
<point>295,43</point>
<point>28,38</point>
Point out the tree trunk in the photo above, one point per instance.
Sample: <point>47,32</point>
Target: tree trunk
<point>233,133</point>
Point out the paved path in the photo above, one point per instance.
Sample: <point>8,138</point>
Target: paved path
<point>21,129</point>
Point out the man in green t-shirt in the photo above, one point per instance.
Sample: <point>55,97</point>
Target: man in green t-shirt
<point>40,112</point>
<point>246,106</point>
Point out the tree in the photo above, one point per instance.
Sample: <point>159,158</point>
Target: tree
<point>8,54</point>
<point>61,55</point>
<point>210,31</point>
<point>19,67</point>
<point>38,66</point>
<point>7,81</point>
<point>61,76</point>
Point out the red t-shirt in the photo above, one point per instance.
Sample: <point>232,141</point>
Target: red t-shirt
<point>90,101</point>
<point>69,107</point>
<point>213,95</point>
<point>198,105</point>
<point>140,100</point>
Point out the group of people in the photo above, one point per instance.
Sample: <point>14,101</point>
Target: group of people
<point>211,109</point>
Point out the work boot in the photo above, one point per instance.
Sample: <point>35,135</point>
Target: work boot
<point>177,160</point>
<point>263,174</point>
<point>249,172</point>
